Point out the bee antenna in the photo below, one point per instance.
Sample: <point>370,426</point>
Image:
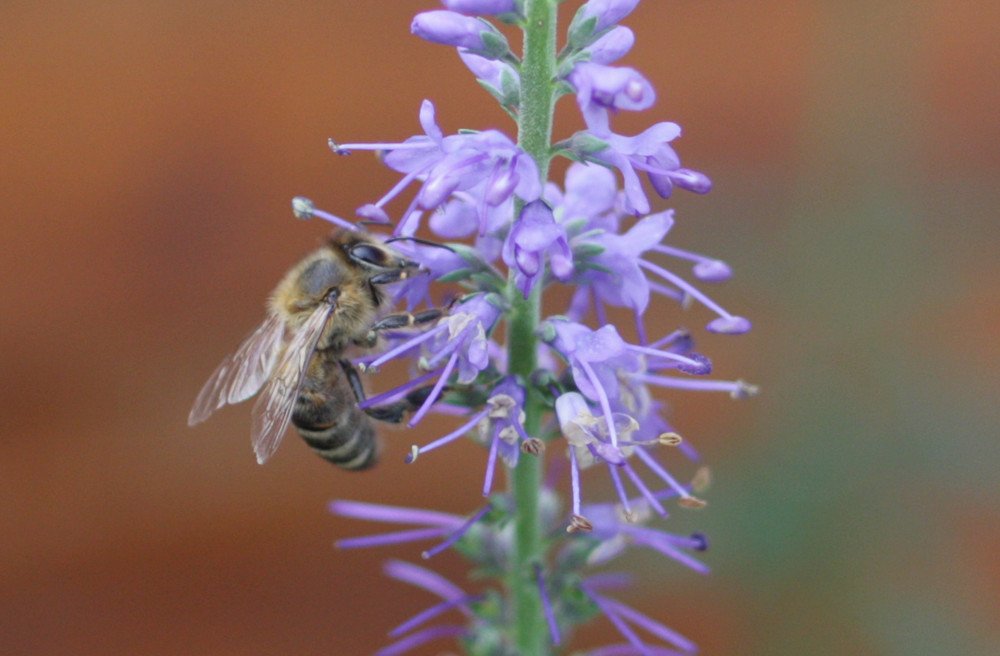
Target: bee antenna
<point>418,240</point>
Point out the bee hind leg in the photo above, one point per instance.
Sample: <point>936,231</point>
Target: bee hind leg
<point>393,413</point>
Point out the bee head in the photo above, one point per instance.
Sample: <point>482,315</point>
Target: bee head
<point>381,263</point>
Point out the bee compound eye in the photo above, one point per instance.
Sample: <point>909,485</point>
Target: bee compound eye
<point>369,255</point>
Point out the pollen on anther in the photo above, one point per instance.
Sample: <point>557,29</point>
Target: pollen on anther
<point>411,457</point>
<point>533,446</point>
<point>669,439</point>
<point>691,503</point>
<point>579,523</point>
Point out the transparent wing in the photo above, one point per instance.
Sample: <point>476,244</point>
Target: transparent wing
<point>242,373</point>
<point>273,409</point>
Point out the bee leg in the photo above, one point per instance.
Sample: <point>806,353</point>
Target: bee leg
<point>396,274</point>
<point>393,413</point>
<point>401,320</point>
<point>405,319</point>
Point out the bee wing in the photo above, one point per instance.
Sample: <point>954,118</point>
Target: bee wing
<point>273,409</point>
<point>242,373</point>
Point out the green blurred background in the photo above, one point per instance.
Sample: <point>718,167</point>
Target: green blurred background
<point>148,155</point>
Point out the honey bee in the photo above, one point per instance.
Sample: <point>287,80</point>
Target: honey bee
<point>327,305</point>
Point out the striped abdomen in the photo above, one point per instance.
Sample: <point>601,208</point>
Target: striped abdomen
<point>328,419</point>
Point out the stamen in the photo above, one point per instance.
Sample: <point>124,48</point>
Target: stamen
<point>491,463</point>
<point>686,287</point>
<point>397,537</point>
<point>616,478</point>
<point>420,637</point>
<point>602,398</point>
<point>406,346</point>
<point>550,616</point>
<point>458,533</point>
<point>574,474</point>
<point>674,337</point>
<point>661,472</point>
<point>450,437</point>
<point>737,389</point>
<point>397,392</point>
<point>610,612</point>
<point>578,524</point>
<point>646,493</point>
<point>435,392</point>
<point>432,612</point>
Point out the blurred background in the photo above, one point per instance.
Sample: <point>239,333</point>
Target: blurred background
<point>148,155</point>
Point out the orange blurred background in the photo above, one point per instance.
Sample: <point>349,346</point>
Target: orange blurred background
<point>149,154</point>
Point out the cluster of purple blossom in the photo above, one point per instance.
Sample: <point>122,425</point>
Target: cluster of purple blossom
<point>521,235</point>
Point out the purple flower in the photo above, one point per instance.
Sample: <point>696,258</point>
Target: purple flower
<point>503,429</point>
<point>534,235</point>
<point>617,273</point>
<point>611,47</point>
<point>484,7</point>
<point>590,441</point>
<point>500,425</point>
<point>453,29</point>
<point>486,165</point>
<point>596,16</point>
<point>648,151</point>
<point>601,88</point>
<point>498,77</point>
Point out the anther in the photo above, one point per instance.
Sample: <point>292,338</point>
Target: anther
<point>579,523</point>
<point>669,439</point>
<point>337,148</point>
<point>534,446</point>
<point>691,503</point>
<point>303,208</point>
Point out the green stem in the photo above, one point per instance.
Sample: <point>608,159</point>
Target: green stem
<point>529,631</point>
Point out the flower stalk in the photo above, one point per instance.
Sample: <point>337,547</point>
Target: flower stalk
<point>535,116</point>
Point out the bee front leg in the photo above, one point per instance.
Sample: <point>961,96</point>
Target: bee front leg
<point>401,320</point>
<point>393,413</point>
